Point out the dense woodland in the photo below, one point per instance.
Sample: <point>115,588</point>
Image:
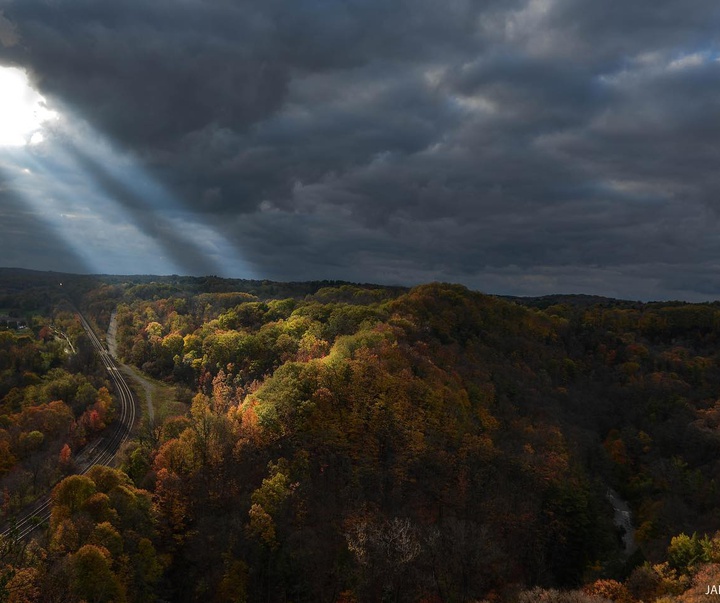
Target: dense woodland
<point>352,443</point>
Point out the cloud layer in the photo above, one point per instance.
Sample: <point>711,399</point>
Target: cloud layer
<point>518,147</point>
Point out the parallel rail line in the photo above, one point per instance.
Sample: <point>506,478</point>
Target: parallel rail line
<point>101,452</point>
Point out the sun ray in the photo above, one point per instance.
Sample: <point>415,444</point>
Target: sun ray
<point>102,205</point>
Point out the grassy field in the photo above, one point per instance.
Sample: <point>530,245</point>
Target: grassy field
<point>161,397</point>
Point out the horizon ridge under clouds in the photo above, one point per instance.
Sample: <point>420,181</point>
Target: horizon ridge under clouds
<point>517,147</point>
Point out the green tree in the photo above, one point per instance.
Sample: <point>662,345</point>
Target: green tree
<point>685,552</point>
<point>92,579</point>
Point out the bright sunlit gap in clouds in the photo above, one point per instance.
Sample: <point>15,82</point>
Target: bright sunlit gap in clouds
<point>23,111</point>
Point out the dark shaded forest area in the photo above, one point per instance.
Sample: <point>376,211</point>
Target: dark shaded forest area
<point>362,443</point>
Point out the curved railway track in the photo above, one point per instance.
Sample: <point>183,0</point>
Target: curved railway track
<point>101,452</point>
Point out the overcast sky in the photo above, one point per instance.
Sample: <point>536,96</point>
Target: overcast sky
<point>516,147</point>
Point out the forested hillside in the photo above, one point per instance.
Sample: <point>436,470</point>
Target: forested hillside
<point>361,443</point>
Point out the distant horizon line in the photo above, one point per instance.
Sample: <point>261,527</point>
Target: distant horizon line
<point>331,282</point>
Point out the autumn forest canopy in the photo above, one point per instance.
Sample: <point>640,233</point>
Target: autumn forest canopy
<point>335,442</point>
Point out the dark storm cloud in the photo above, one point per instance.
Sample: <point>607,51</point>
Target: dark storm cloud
<point>524,146</point>
<point>607,33</point>
<point>175,68</point>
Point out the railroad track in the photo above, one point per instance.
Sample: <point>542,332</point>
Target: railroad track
<point>102,452</point>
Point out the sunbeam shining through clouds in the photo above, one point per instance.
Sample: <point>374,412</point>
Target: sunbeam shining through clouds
<point>97,201</point>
